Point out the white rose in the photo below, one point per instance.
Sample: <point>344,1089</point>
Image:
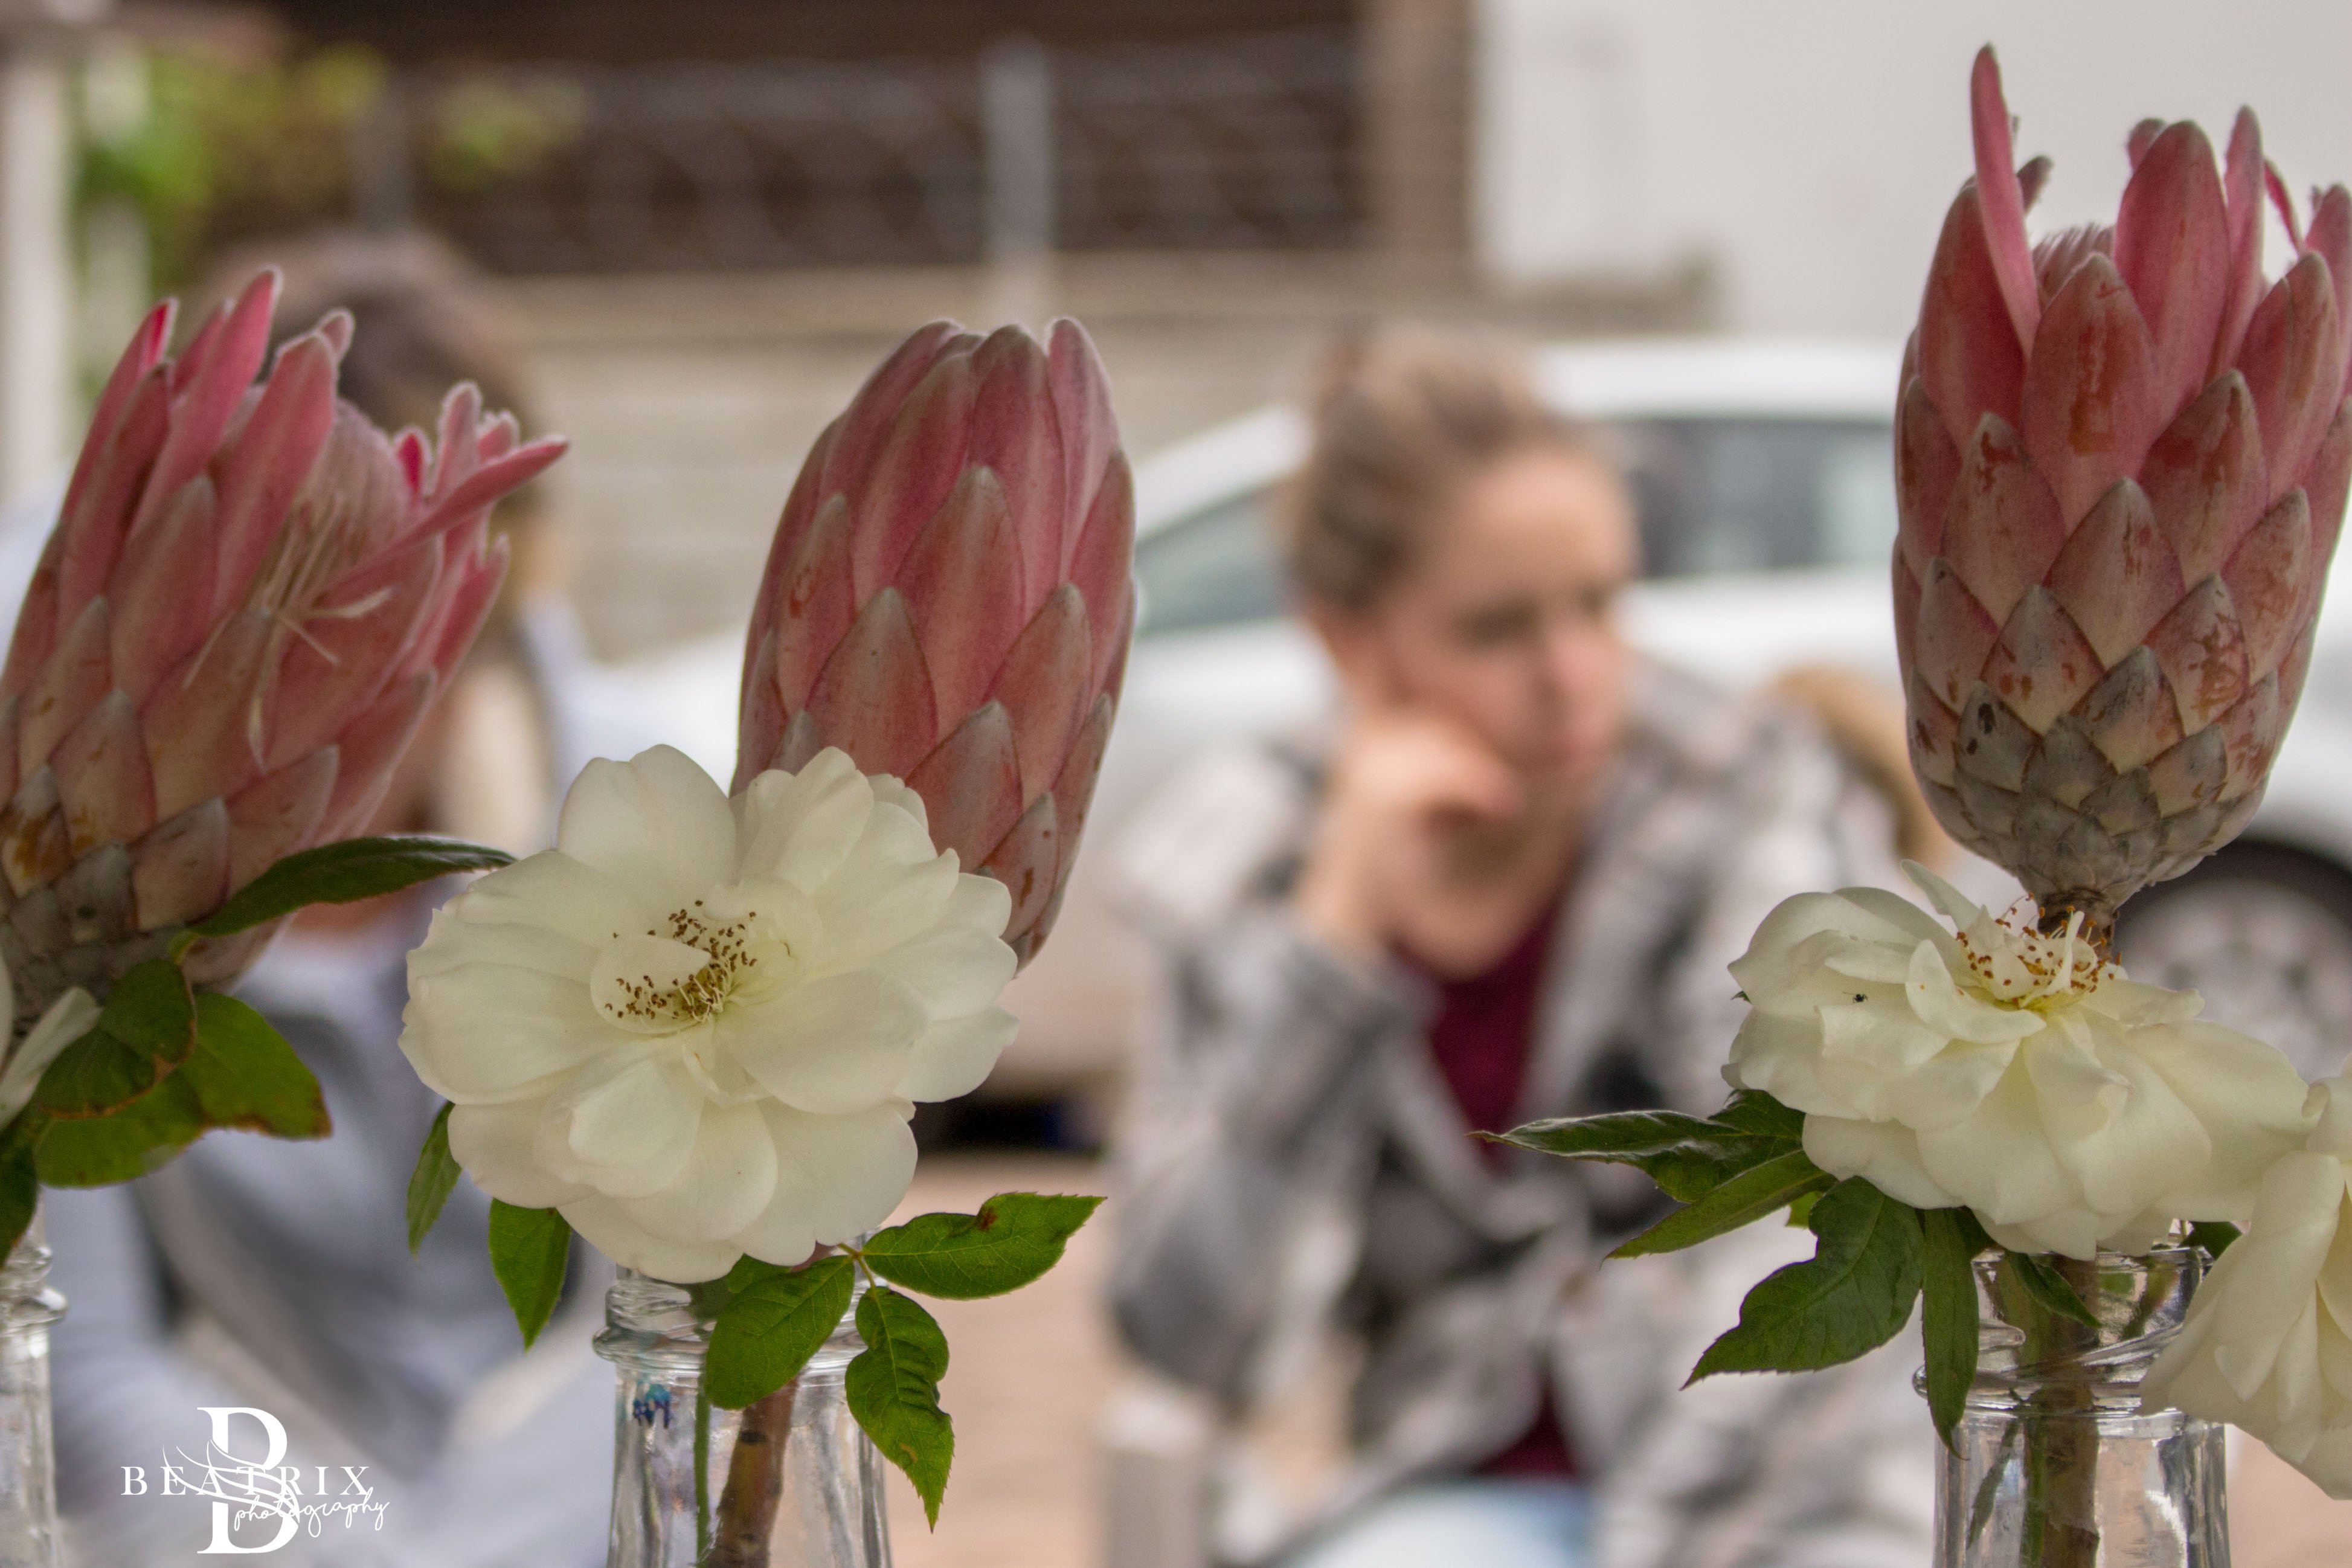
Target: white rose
<point>2268,1341</point>
<point>2006,1071</point>
<point>697,1027</point>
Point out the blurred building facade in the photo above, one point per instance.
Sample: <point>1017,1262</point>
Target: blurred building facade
<point>735,206</point>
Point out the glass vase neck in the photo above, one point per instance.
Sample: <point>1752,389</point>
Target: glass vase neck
<point>789,1481</point>
<point>29,1536</point>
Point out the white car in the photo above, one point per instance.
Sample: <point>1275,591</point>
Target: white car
<point>1763,476</point>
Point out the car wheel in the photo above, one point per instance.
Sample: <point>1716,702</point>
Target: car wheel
<point>2265,934</point>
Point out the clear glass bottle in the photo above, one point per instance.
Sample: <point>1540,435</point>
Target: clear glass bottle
<point>2055,1466</point>
<point>790,1483</point>
<point>28,1481</point>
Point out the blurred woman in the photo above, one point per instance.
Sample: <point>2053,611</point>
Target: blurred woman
<point>1505,886</point>
<point>251,1272</point>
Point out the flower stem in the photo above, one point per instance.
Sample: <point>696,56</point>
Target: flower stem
<point>702,1474</point>
<point>755,1482</point>
<point>2061,1438</point>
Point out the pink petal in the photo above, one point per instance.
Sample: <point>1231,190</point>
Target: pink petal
<point>1102,568</point>
<point>368,749</point>
<point>1926,466</point>
<point>69,687</point>
<point>1027,863</point>
<point>2131,715</point>
<point>2294,366</point>
<point>34,848</point>
<point>1043,686</point>
<point>334,664</point>
<point>1906,616</point>
<point>93,527</point>
<point>859,433</point>
<point>963,584</point>
<point>917,466</point>
<point>274,817</point>
<point>464,607</point>
<point>2251,731</point>
<point>874,698</point>
<point>102,778</point>
<point>1015,433</point>
<point>1970,361</point>
<point>1074,787</point>
<point>2089,409</point>
<point>214,385</point>
<point>486,484</point>
<point>2042,665</point>
<point>1082,410</point>
<point>2003,530</point>
<point>202,719</point>
<point>1954,635</point>
<point>2269,578</point>
<point>2172,248</point>
<point>971,786</point>
<point>138,364</point>
<point>455,453</point>
<point>2143,137</point>
<point>179,871</point>
<point>161,588</point>
<point>262,473</point>
<point>760,719</point>
<point>2329,479</point>
<point>2241,185</point>
<point>2205,476</point>
<point>2202,649</point>
<point>2331,235</point>
<point>817,608</point>
<point>800,510</point>
<point>2003,200</point>
<point>2116,577</point>
<point>1932,730</point>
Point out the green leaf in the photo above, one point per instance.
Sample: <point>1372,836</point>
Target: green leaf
<point>528,1248</point>
<point>1742,1200</point>
<point>893,1389</point>
<point>342,873</point>
<point>430,1184</point>
<point>2047,1287</point>
<point>1015,1238</point>
<point>1686,1156</point>
<point>1948,1317</point>
<point>1754,1111</point>
<point>773,1322</point>
<point>1854,1294</point>
<point>20,1187</point>
<point>246,1076</point>
<point>2213,1235</point>
<point>125,1143</point>
<point>147,1027</point>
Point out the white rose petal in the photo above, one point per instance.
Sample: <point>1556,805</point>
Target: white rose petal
<point>696,1026</point>
<point>2267,1345</point>
<point>2005,1070</point>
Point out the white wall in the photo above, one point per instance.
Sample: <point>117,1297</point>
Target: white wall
<point>1810,147</point>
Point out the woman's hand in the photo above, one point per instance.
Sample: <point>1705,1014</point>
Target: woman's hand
<point>1406,854</point>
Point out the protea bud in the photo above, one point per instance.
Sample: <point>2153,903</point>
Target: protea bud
<point>250,599</point>
<point>2121,462</point>
<point>948,599</point>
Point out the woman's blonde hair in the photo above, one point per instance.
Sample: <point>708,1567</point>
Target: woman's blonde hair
<point>1404,415</point>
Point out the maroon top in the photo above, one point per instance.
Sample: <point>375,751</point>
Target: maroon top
<point>1482,1037</point>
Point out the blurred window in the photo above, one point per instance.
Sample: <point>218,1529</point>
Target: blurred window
<point>1217,567</point>
<point>1716,496</point>
<point>1752,495</point>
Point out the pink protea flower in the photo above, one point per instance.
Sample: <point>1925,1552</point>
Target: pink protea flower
<point>948,599</point>
<point>250,599</point>
<point>2122,459</point>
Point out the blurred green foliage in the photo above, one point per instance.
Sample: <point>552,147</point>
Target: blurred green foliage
<point>230,148</point>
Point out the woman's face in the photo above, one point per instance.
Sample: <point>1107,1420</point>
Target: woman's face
<point>1505,623</point>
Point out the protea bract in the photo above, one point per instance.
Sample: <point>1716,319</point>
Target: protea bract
<point>2121,460</point>
<point>249,600</point>
<point>948,599</point>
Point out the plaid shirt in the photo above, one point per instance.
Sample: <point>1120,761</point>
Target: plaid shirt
<point>1289,1110</point>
